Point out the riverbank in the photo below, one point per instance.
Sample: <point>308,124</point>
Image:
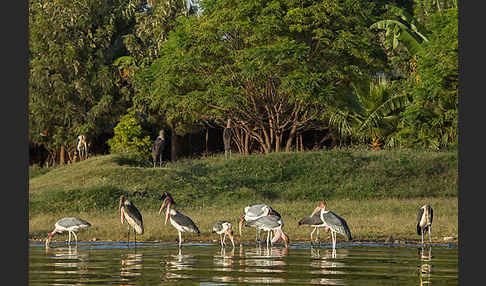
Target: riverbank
<point>378,193</point>
<point>370,220</point>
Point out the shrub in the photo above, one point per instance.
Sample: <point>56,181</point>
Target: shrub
<point>130,138</point>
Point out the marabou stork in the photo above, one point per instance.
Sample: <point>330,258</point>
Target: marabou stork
<point>424,221</point>
<point>158,148</point>
<point>81,147</point>
<point>314,221</point>
<point>253,212</point>
<point>271,223</point>
<point>227,134</point>
<point>69,224</point>
<point>334,222</point>
<point>181,222</point>
<point>226,228</point>
<point>130,213</point>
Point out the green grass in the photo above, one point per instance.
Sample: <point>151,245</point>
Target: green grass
<point>354,182</point>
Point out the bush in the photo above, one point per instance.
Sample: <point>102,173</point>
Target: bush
<point>130,138</point>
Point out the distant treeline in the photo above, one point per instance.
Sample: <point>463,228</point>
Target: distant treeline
<point>291,75</point>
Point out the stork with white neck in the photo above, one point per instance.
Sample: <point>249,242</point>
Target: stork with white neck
<point>181,222</point>
<point>334,222</point>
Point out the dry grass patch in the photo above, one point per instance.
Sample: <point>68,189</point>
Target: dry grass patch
<point>367,219</point>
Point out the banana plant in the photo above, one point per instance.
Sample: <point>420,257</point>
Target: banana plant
<point>405,30</point>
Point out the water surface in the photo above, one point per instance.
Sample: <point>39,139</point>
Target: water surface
<point>101,263</point>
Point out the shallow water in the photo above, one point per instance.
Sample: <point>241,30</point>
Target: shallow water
<point>101,263</point>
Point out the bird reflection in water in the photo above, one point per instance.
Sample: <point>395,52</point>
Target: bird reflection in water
<point>131,266</point>
<point>265,261</point>
<point>179,262</point>
<point>425,268</point>
<point>67,260</point>
<point>323,262</point>
<point>223,261</point>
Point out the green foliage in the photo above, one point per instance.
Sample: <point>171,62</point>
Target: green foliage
<point>270,66</point>
<point>71,82</point>
<point>130,138</point>
<point>432,118</point>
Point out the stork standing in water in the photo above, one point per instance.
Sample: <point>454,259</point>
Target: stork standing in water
<point>253,212</point>
<point>226,228</point>
<point>314,221</point>
<point>334,222</point>
<point>81,147</point>
<point>424,221</point>
<point>130,213</point>
<point>158,148</point>
<point>271,223</point>
<point>227,134</point>
<point>69,224</point>
<point>181,222</point>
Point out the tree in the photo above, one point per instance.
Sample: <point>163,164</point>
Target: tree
<point>272,67</point>
<point>431,120</point>
<point>72,45</point>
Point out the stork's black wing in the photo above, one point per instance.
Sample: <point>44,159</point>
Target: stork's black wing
<point>158,145</point>
<point>265,221</point>
<point>311,220</point>
<point>337,223</point>
<point>419,218</point>
<point>431,213</point>
<point>132,211</point>
<point>185,221</point>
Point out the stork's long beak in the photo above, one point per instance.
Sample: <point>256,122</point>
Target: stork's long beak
<point>242,219</point>
<point>286,239</point>
<point>162,206</point>
<point>48,240</point>
<point>316,210</point>
<point>230,234</point>
<point>167,212</point>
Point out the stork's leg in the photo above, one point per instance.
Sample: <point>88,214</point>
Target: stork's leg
<point>319,237</point>
<point>128,236</point>
<point>312,234</point>
<point>430,239</point>
<point>224,238</point>
<point>272,234</point>
<point>422,236</point>
<point>268,238</point>
<point>180,239</point>
<point>333,234</point>
<point>75,237</point>
<point>69,241</point>
<point>135,233</point>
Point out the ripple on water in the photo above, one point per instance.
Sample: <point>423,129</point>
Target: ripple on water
<point>209,264</point>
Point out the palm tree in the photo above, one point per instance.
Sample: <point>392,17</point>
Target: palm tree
<point>373,117</point>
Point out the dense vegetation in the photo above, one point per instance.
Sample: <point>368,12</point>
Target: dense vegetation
<point>375,72</point>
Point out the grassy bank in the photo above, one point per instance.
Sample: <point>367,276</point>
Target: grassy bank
<point>378,193</point>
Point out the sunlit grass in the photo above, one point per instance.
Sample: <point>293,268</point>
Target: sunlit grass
<point>378,193</point>
<point>367,219</point>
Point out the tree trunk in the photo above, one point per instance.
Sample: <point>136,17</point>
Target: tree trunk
<point>61,156</point>
<point>173,144</point>
<point>207,138</point>
<point>291,138</point>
